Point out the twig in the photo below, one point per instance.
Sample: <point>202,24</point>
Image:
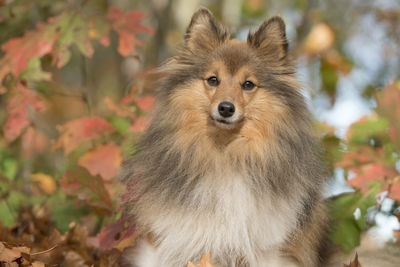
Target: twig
<point>45,251</point>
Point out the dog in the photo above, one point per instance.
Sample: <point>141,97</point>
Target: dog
<point>229,165</point>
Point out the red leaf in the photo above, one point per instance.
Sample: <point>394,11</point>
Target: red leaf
<point>18,51</point>
<point>121,109</point>
<point>79,130</point>
<point>127,25</point>
<point>82,185</point>
<point>17,109</point>
<point>33,142</point>
<point>114,233</point>
<point>388,102</point>
<point>145,103</point>
<point>104,160</point>
<point>370,172</point>
<point>140,124</point>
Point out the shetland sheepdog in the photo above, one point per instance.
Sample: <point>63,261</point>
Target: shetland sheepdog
<point>229,165</point>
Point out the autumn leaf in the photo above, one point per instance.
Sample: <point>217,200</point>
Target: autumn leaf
<point>354,263</point>
<point>140,124</point>
<point>118,234</point>
<point>371,172</point>
<point>104,160</point>
<point>85,187</point>
<point>127,25</point>
<point>74,132</point>
<point>121,109</point>
<point>33,142</point>
<point>18,109</point>
<point>145,103</point>
<point>204,262</point>
<point>388,102</point>
<point>45,182</point>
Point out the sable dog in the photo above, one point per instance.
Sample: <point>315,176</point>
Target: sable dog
<point>229,165</point>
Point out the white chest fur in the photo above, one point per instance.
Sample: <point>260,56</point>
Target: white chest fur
<point>227,220</point>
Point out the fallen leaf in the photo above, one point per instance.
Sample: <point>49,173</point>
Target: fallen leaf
<point>76,131</point>
<point>118,234</point>
<point>204,262</point>
<point>354,263</point>
<point>104,160</point>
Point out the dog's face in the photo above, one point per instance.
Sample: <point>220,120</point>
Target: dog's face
<point>233,86</point>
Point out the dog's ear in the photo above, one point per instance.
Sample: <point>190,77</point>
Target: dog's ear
<point>270,38</point>
<point>204,32</point>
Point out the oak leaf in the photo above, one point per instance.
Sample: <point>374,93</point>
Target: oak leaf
<point>76,131</point>
<point>104,160</point>
<point>118,234</point>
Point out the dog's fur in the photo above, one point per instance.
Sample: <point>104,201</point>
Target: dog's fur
<point>246,189</point>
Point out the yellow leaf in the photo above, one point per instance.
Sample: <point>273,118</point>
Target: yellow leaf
<point>320,39</point>
<point>45,182</point>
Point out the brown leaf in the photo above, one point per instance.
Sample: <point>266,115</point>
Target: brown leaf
<point>85,187</point>
<point>104,160</point>
<point>354,263</point>
<point>204,262</point>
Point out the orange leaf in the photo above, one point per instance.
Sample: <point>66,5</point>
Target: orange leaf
<point>127,25</point>
<point>204,262</point>
<point>104,160</point>
<point>121,109</point>
<point>370,172</point>
<point>145,103</point>
<point>79,130</point>
<point>354,263</point>
<point>140,124</point>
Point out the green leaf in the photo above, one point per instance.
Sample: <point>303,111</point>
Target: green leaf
<point>64,211</point>
<point>121,124</point>
<point>6,217</point>
<point>362,131</point>
<point>347,229</point>
<point>346,235</point>
<point>34,72</point>
<point>9,167</point>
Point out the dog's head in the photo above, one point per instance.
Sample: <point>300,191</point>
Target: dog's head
<point>233,85</point>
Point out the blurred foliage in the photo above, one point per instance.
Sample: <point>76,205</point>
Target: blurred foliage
<point>76,88</point>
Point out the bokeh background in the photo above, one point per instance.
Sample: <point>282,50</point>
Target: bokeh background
<point>77,86</point>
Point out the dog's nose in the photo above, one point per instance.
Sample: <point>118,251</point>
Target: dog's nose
<point>226,109</point>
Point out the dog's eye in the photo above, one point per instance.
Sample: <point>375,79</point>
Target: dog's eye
<point>213,81</point>
<point>247,85</point>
